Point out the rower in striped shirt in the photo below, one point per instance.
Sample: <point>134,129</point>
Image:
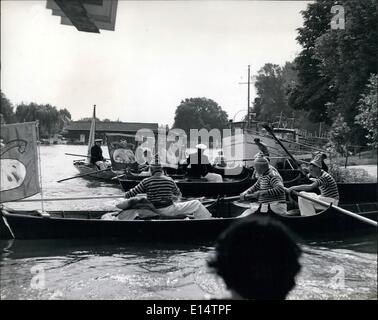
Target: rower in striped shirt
<point>162,191</point>
<point>268,189</point>
<point>324,182</point>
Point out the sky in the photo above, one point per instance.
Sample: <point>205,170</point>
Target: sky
<point>160,53</point>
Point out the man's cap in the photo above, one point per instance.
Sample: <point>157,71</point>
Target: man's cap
<point>317,161</point>
<point>98,140</point>
<point>201,146</point>
<point>261,161</point>
<point>256,139</point>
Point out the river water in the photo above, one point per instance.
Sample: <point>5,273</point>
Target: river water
<point>88,269</point>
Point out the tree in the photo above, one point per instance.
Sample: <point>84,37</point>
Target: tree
<point>6,109</point>
<point>50,120</point>
<point>340,135</point>
<point>335,65</point>
<point>368,112</point>
<point>88,119</point>
<point>272,84</point>
<point>198,113</point>
<point>312,90</point>
<point>348,57</point>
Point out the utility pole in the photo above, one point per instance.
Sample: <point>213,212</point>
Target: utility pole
<point>249,91</point>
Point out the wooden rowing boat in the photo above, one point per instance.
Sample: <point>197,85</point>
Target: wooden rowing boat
<point>87,224</point>
<point>229,187</point>
<point>86,168</point>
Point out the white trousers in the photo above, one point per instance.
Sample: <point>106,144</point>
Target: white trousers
<point>192,208</point>
<point>308,208</point>
<point>213,177</point>
<point>276,207</point>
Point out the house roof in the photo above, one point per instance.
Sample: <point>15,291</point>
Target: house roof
<point>111,126</point>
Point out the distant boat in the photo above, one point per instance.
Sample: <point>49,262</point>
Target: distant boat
<point>241,145</point>
<point>85,166</point>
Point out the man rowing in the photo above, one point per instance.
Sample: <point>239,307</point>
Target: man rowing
<point>268,189</point>
<point>162,191</point>
<point>322,181</point>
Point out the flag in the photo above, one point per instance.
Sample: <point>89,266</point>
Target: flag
<point>19,161</point>
<point>122,149</point>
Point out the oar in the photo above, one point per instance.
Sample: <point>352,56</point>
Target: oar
<point>341,210</point>
<point>70,198</point>
<point>269,129</point>
<point>85,174</point>
<point>80,155</point>
<point>234,198</point>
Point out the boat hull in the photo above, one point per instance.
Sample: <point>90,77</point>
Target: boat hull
<point>87,224</point>
<point>84,168</point>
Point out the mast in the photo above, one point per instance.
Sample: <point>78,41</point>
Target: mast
<point>92,132</point>
<point>249,85</point>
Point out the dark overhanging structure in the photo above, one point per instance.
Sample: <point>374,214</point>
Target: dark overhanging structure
<point>86,15</point>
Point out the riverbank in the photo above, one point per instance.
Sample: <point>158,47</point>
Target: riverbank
<point>354,174</point>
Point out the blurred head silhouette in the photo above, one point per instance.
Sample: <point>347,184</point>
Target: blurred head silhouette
<point>258,258</point>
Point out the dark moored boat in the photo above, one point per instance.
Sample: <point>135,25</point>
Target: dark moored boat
<point>87,224</point>
<point>85,168</point>
<point>230,186</point>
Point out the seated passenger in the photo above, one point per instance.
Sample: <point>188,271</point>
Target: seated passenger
<point>162,191</point>
<point>96,156</point>
<point>200,166</point>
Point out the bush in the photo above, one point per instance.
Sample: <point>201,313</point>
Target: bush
<point>350,175</point>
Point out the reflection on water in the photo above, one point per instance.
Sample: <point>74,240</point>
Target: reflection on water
<point>87,269</point>
<point>97,270</point>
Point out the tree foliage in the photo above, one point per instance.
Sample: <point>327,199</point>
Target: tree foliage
<point>334,65</point>
<point>272,84</point>
<point>198,113</point>
<point>50,120</point>
<point>312,91</point>
<point>6,109</point>
<point>340,135</point>
<point>368,112</point>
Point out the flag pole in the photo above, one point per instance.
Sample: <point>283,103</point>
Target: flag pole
<point>40,166</point>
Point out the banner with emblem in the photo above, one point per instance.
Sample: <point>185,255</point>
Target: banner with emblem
<point>122,149</point>
<point>19,161</point>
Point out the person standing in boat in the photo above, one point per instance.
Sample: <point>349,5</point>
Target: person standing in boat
<point>162,191</point>
<point>262,147</point>
<point>96,155</point>
<point>200,166</point>
<point>324,182</point>
<point>257,258</point>
<point>220,160</point>
<point>268,189</point>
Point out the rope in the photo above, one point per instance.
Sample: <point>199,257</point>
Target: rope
<point>8,226</point>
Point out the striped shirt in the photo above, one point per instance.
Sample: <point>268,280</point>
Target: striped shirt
<point>271,183</point>
<point>160,190</point>
<point>327,185</point>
